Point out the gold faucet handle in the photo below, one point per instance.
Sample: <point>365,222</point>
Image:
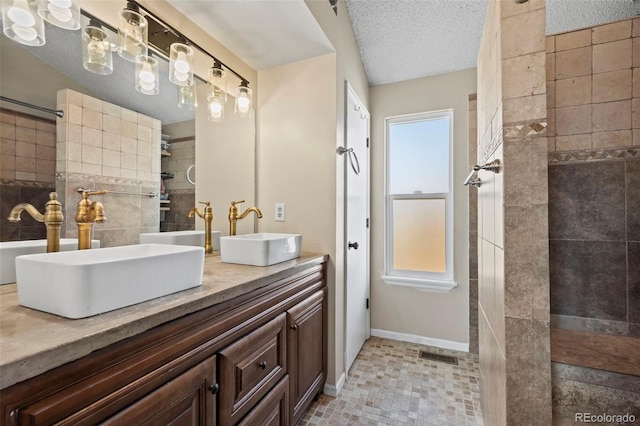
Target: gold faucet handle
<point>206,203</point>
<point>233,203</point>
<point>89,192</point>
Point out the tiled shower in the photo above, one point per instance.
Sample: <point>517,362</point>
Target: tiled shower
<point>593,87</point>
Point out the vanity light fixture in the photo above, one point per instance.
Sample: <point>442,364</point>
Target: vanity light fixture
<point>147,76</point>
<point>133,34</point>
<point>244,100</point>
<point>181,64</point>
<point>61,13</point>
<point>22,23</point>
<point>96,49</point>
<point>187,98</point>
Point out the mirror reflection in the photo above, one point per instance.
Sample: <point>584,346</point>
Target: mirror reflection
<point>112,137</point>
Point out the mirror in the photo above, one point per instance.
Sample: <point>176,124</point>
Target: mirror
<point>34,75</point>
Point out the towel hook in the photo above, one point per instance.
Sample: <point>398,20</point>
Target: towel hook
<point>353,158</point>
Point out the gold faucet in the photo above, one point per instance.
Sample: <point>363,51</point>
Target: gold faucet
<point>208,218</point>
<point>52,219</point>
<point>233,215</point>
<point>87,214</point>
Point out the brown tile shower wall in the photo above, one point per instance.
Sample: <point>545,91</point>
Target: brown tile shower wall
<point>104,146</point>
<point>593,89</point>
<point>27,171</point>
<point>513,306</point>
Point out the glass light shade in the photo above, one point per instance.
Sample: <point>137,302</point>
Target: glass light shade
<point>187,98</point>
<point>181,64</point>
<point>217,81</point>
<point>133,30</point>
<point>244,100</point>
<point>96,50</point>
<point>148,77</point>
<point>61,13</point>
<point>21,22</point>
<point>215,108</point>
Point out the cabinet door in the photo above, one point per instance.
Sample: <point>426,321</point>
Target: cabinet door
<point>187,400</point>
<point>273,410</point>
<point>250,368</point>
<point>307,352</point>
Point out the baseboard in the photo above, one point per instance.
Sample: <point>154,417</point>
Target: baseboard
<point>334,390</point>
<point>428,341</point>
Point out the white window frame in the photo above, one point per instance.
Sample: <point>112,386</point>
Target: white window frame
<point>426,281</point>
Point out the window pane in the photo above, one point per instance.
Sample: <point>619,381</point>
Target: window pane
<point>419,157</point>
<point>419,235</point>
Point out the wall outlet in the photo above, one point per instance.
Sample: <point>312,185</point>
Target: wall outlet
<point>280,212</point>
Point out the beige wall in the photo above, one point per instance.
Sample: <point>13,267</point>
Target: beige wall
<point>328,183</point>
<point>225,165</point>
<point>513,254</point>
<point>296,161</point>
<point>402,310</point>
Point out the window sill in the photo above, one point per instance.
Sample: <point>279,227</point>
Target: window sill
<point>421,284</point>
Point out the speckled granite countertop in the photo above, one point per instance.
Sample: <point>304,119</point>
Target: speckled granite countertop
<point>32,342</point>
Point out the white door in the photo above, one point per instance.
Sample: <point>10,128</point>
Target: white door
<point>357,226</point>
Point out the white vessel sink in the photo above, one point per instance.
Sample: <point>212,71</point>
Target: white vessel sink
<point>9,250</point>
<point>261,249</point>
<point>79,284</point>
<point>182,238</point>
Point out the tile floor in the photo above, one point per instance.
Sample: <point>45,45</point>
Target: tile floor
<point>389,385</point>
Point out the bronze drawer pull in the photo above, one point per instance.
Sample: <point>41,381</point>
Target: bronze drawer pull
<point>294,327</point>
<point>214,388</point>
<point>263,365</point>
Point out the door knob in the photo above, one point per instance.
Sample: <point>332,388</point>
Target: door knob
<point>353,245</point>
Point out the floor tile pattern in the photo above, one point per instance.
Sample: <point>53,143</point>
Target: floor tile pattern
<point>389,385</point>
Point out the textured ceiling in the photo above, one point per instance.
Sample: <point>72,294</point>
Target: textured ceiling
<point>406,39</point>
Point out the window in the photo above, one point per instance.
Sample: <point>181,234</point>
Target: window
<point>419,201</point>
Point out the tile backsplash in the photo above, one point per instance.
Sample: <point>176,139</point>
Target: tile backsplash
<point>27,170</point>
<point>104,146</point>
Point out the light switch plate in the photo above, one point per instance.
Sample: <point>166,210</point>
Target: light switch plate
<point>280,212</point>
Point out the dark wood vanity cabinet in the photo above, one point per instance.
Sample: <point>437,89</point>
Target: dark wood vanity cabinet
<point>307,359</point>
<point>257,359</point>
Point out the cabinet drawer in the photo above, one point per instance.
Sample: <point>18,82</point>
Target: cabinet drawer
<point>250,367</point>
<point>273,410</point>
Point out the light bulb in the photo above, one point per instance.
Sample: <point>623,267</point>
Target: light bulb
<point>147,85</point>
<point>62,14</point>
<point>146,75</point>
<point>20,14</point>
<point>216,109</point>
<point>181,65</point>
<point>25,33</point>
<point>243,103</point>
<point>134,32</point>
<point>65,4</point>
<point>180,76</point>
<point>97,49</point>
